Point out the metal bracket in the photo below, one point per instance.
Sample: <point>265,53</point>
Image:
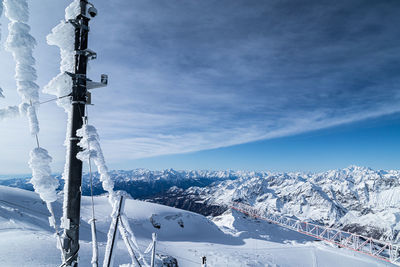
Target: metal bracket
<point>66,243</point>
<point>92,85</point>
<point>78,102</point>
<point>88,98</point>
<point>76,24</point>
<point>88,53</point>
<point>76,76</point>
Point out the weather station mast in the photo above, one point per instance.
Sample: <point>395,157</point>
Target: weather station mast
<point>80,97</point>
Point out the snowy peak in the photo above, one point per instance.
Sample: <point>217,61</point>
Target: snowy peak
<point>354,198</point>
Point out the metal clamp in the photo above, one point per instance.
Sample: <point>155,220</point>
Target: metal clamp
<point>76,24</point>
<point>78,102</point>
<point>87,52</point>
<point>75,75</point>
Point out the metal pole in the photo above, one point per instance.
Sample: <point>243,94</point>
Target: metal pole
<point>78,97</point>
<point>114,227</point>
<point>95,255</point>
<point>153,252</point>
<point>204,261</point>
<point>124,234</point>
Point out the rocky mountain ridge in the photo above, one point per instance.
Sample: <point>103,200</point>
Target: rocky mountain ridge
<point>357,199</point>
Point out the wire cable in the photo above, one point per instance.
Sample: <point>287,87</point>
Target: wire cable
<point>54,99</point>
<point>93,220</point>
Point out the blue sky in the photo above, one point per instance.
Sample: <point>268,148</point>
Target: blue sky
<point>278,85</point>
<point>373,143</point>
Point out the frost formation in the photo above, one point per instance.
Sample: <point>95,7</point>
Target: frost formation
<point>21,44</point>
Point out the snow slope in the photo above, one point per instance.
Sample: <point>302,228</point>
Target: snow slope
<point>229,240</point>
<point>356,199</point>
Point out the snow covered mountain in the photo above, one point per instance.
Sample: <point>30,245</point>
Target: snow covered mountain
<point>228,240</point>
<point>357,199</point>
<point>141,183</point>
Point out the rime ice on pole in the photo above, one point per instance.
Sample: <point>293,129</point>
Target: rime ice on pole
<point>63,36</point>
<point>44,184</point>
<point>90,144</point>
<point>92,148</point>
<point>1,13</point>
<point>21,43</point>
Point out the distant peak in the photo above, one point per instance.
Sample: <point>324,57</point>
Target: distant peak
<point>358,168</point>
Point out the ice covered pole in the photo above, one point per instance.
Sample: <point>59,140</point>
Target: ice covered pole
<point>63,36</point>
<point>11,111</point>
<point>95,253</point>
<point>72,190</point>
<point>42,181</point>
<point>21,44</point>
<point>153,251</point>
<point>112,234</point>
<point>1,13</point>
<point>91,150</point>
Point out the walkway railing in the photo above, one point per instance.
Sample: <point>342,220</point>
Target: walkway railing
<point>365,245</point>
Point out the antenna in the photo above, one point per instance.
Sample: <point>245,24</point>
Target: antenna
<point>79,98</point>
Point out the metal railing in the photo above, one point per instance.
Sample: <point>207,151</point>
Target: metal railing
<point>366,245</point>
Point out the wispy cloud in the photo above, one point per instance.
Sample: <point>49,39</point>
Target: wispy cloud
<point>195,75</point>
<point>210,74</point>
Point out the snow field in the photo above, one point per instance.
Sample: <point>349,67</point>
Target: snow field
<point>229,240</point>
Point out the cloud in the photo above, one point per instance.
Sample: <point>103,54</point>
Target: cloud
<point>194,75</point>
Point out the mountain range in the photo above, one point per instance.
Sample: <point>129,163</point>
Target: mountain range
<point>356,199</point>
